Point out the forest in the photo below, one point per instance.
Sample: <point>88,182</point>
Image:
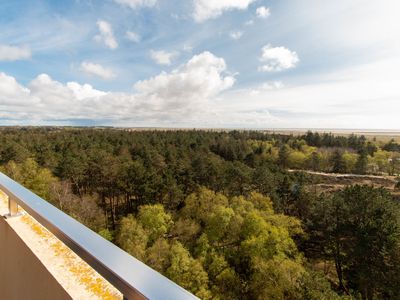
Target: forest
<point>226,214</point>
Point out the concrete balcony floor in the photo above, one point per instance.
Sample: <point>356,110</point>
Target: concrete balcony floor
<point>34,264</point>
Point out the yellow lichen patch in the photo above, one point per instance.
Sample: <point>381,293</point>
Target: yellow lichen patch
<point>36,227</point>
<point>95,285</point>
<point>3,197</point>
<point>81,271</point>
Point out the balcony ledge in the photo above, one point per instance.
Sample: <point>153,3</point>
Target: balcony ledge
<point>73,276</point>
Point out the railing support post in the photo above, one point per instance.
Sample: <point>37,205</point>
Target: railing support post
<point>12,207</point>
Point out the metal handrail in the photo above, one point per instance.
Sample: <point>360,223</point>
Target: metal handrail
<point>131,277</point>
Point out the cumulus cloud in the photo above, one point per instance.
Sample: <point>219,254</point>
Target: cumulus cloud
<point>136,3</point>
<point>11,91</point>
<point>132,36</point>
<point>97,70</point>
<point>199,80</point>
<point>47,99</point>
<point>183,94</point>
<point>12,53</point>
<point>84,91</point>
<point>236,35</point>
<point>106,35</point>
<point>50,92</point>
<point>263,12</point>
<point>209,9</point>
<point>162,57</point>
<point>277,59</point>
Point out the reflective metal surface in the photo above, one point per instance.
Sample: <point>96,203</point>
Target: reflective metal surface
<point>134,279</point>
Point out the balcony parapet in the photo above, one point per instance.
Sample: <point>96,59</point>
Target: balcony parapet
<point>68,249</point>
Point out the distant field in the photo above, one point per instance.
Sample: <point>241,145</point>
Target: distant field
<point>380,135</point>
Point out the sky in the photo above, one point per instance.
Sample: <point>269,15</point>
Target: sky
<point>201,63</point>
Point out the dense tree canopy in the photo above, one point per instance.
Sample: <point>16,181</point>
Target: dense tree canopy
<point>220,213</point>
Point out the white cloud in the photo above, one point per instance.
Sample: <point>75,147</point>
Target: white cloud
<point>162,57</point>
<point>357,18</point>
<point>136,3</point>
<point>277,59</point>
<point>50,92</point>
<point>209,9</point>
<point>84,91</point>
<point>353,97</point>
<point>249,23</point>
<point>236,35</point>
<point>11,92</point>
<point>132,36</point>
<point>96,70</point>
<point>263,12</point>
<point>182,95</point>
<point>199,94</point>
<point>12,53</point>
<point>106,35</point>
<point>199,80</point>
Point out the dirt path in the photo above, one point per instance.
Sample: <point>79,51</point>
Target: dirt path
<point>349,175</point>
<point>333,181</point>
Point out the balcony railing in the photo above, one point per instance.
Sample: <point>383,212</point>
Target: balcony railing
<point>132,278</point>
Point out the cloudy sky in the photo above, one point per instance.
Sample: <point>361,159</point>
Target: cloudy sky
<point>201,63</point>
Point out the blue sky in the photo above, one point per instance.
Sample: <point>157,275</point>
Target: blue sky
<point>201,63</point>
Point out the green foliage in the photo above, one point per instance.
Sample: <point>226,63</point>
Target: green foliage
<point>157,256</point>
<point>314,161</point>
<point>351,163</point>
<point>362,162</point>
<point>218,223</point>
<point>107,234</point>
<point>338,163</point>
<point>155,221</point>
<point>264,242</point>
<point>314,286</point>
<point>187,272</point>
<point>32,176</point>
<point>296,160</point>
<point>132,237</point>
<point>359,228</point>
<point>277,278</point>
<point>198,206</point>
<point>218,212</point>
<point>283,155</point>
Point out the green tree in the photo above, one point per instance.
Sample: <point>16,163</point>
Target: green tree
<point>187,271</point>
<point>314,161</point>
<point>362,162</point>
<point>338,164</point>
<point>155,221</point>
<point>315,286</point>
<point>157,256</point>
<point>107,234</point>
<point>32,176</point>
<point>283,156</point>
<point>296,160</point>
<point>199,205</point>
<point>132,237</point>
<point>359,229</point>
